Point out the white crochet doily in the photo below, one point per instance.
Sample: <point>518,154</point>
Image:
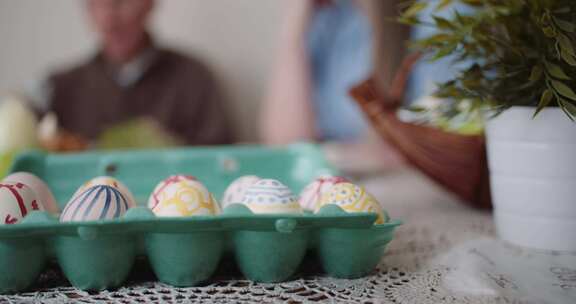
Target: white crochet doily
<point>445,253</point>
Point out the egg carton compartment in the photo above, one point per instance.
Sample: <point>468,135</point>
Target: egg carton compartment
<point>186,251</point>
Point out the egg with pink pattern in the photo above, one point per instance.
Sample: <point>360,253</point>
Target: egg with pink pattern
<point>182,179</point>
<point>185,198</point>
<point>310,196</point>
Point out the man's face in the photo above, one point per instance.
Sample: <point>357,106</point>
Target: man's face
<point>120,24</point>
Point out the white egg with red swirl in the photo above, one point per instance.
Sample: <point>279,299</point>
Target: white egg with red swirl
<point>16,201</point>
<point>40,188</point>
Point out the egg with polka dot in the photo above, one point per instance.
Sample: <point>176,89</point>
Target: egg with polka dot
<point>16,201</point>
<point>237,190</point>
<point>269,196</point>
<point>353,198</point>
<point>187,197</point>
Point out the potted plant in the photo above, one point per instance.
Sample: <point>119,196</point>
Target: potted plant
<point>522,66</point>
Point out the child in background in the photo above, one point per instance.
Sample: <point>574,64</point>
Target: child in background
<point>326,48</point>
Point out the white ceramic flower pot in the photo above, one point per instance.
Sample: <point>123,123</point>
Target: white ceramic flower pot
<point>533,177</point>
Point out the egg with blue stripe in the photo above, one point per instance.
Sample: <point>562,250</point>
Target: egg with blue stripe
<point>99,202</point>
<point>269,196</point>
<point>112,182</point>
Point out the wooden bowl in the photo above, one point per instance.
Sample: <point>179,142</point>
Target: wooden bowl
<point>456,162</point>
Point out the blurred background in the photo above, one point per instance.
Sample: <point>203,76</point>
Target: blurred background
<point>235,38</point>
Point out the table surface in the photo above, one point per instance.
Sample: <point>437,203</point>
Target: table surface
<point>445,253</point>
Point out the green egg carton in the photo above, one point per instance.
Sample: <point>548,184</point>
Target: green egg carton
<point>186,251</point>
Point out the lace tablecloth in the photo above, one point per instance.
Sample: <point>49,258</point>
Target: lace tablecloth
<point>445,253</point>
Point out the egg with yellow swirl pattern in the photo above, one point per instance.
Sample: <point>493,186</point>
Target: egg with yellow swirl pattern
<point>185,198</point>
<point>352,198</point>
<point>174,179</point>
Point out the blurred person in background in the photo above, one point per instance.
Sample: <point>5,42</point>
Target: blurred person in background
<point>326,48</point>
<point>131,77</point>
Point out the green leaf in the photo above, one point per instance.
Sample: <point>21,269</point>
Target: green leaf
<point>536,73</point>
<point>473,2</point>
<point>556,71</point>
<point>563,10</point>
<point>545,100</point>
<point>563,89</point>
<point>438,40</point>
<point>418,109</point>
<point>566,44</point>
<point>549,32</point>
<point>443,4</point>
<point>570,59</point>
<point>443,23</point>
<point>565,25</point>
<point>415,9</point>
<point>445,51</point>
<point>569,108</point>
<point>409,20</point>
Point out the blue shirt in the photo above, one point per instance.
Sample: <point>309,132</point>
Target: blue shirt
<point>340,46</point>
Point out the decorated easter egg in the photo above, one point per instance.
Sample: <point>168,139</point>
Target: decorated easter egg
<point>311,195</point>
<point>98,202</point>
<point>352,198</point>
<point>16,201</point>
<point>186,197</point>
<point>154,197</point>
<point>112,182</point>
<point>270,196</point>
<point>237,189</point>
<point>42,191</point>
<point>17,124</point>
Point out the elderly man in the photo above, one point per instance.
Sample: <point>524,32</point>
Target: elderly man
<point>130,77</point>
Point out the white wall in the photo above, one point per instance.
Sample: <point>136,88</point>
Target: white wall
<point>235,37</point>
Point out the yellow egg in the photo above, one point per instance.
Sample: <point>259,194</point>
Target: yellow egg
<point>185,198</point>
<point>352,198</point>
